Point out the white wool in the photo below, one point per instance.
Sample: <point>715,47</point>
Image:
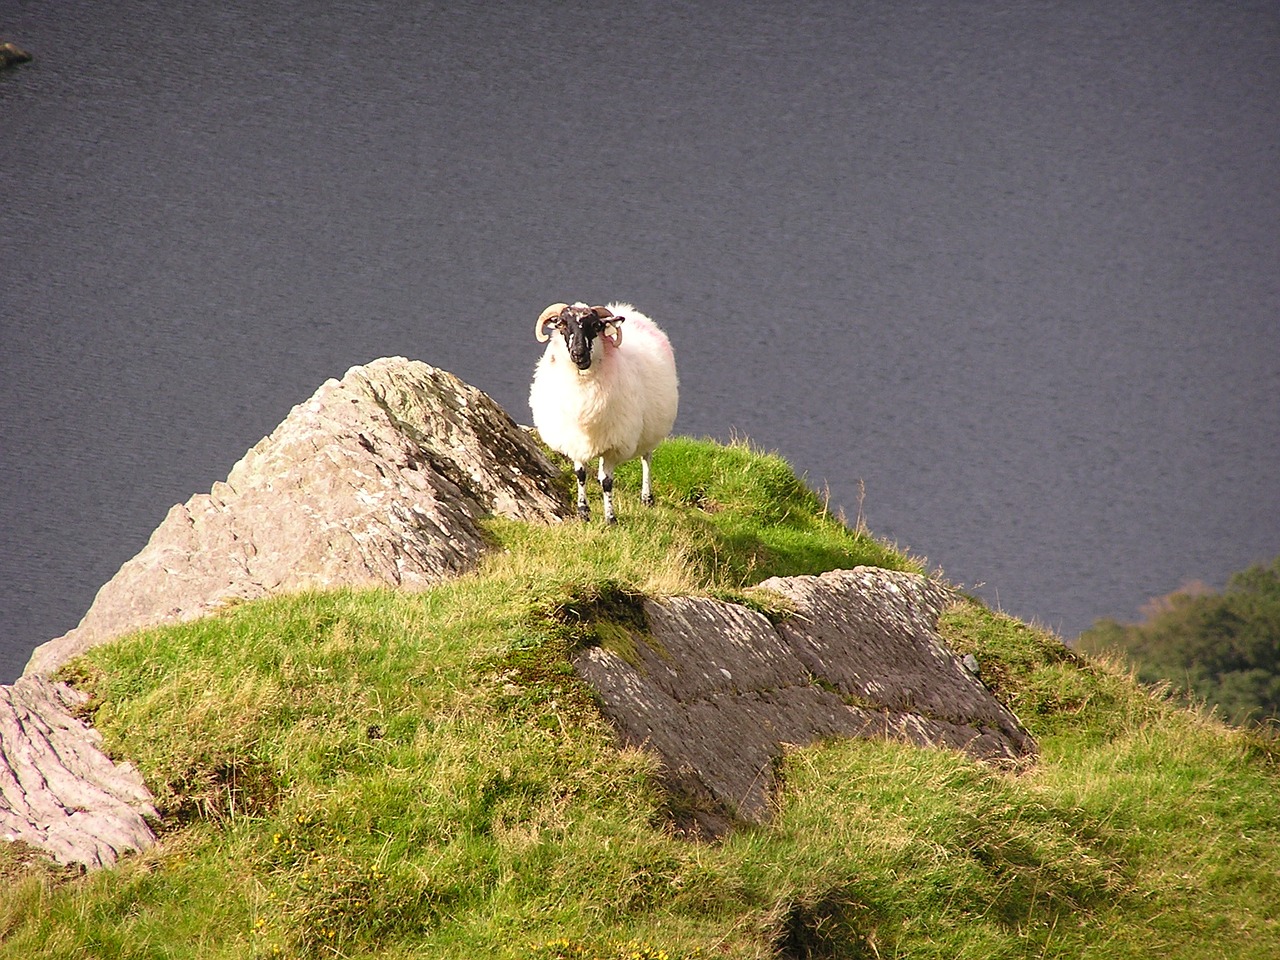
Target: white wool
<point>620,407</point>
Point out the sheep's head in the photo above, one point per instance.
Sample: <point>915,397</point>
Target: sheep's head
<point>579,325</point>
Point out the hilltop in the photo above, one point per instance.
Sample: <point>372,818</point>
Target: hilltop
<point>381,772</point>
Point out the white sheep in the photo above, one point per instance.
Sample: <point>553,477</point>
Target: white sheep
<point>593,397</point>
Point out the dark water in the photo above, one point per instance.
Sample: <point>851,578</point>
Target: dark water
<point>1014,267</point>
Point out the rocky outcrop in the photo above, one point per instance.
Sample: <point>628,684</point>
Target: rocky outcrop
<point>382,478</point>
<point>719,690</point>
<point>11,55</point>
<point>379,479</point>
<point>58,791</point>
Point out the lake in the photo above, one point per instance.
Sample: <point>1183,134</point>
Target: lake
<point>1003,278</point>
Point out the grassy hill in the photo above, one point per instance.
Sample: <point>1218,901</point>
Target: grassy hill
<point>393,775</point>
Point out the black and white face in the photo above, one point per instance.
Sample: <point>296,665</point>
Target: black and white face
<point>580,326</point>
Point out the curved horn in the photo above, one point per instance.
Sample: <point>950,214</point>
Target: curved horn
<point>604,313</point>
<point>552,311</point>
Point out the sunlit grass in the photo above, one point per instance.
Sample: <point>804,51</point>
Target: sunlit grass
<point>394,775</point>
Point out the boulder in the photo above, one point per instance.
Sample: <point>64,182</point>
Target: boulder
<point>58,792</point>
<point>719,690</point>
<point>11,55</point>
<point>379,479</point>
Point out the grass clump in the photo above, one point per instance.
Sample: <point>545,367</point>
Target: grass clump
<point>727,517</point>
<point>368,774</point>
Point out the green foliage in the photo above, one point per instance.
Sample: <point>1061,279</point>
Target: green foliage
<point>1220,648</point>
<point>377,774</point>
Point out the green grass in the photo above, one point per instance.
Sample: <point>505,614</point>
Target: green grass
<point>393,775</point>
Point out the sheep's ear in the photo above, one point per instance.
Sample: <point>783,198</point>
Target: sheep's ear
<point>613,330</point>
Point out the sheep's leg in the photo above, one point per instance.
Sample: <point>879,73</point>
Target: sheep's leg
<point>606,484</point>
<point>580,471</point>
<point>646,487</point>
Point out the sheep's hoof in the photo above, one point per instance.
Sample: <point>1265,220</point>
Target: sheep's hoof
<point>647,499</point>
<point>611,519</point>
<point>584,512</point>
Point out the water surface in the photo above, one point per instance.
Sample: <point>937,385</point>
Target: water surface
<point>1010,268</point>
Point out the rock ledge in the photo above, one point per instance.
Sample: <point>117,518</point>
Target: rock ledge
<point>719,691</point>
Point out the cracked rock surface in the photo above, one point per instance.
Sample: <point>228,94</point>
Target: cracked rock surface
<point>719,691</point>
<point>58,791</point>
<point>378,479</point>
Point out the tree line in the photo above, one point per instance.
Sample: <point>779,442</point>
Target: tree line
<point>1222,648</point>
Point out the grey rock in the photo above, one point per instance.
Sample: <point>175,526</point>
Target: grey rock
<point>378,479</point>
<point>719,691</point>
<point>58,791</point>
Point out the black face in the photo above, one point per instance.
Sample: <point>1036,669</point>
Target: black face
<point>580,327</point>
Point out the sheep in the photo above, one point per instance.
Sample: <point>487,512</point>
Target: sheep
<point>592,397</point>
